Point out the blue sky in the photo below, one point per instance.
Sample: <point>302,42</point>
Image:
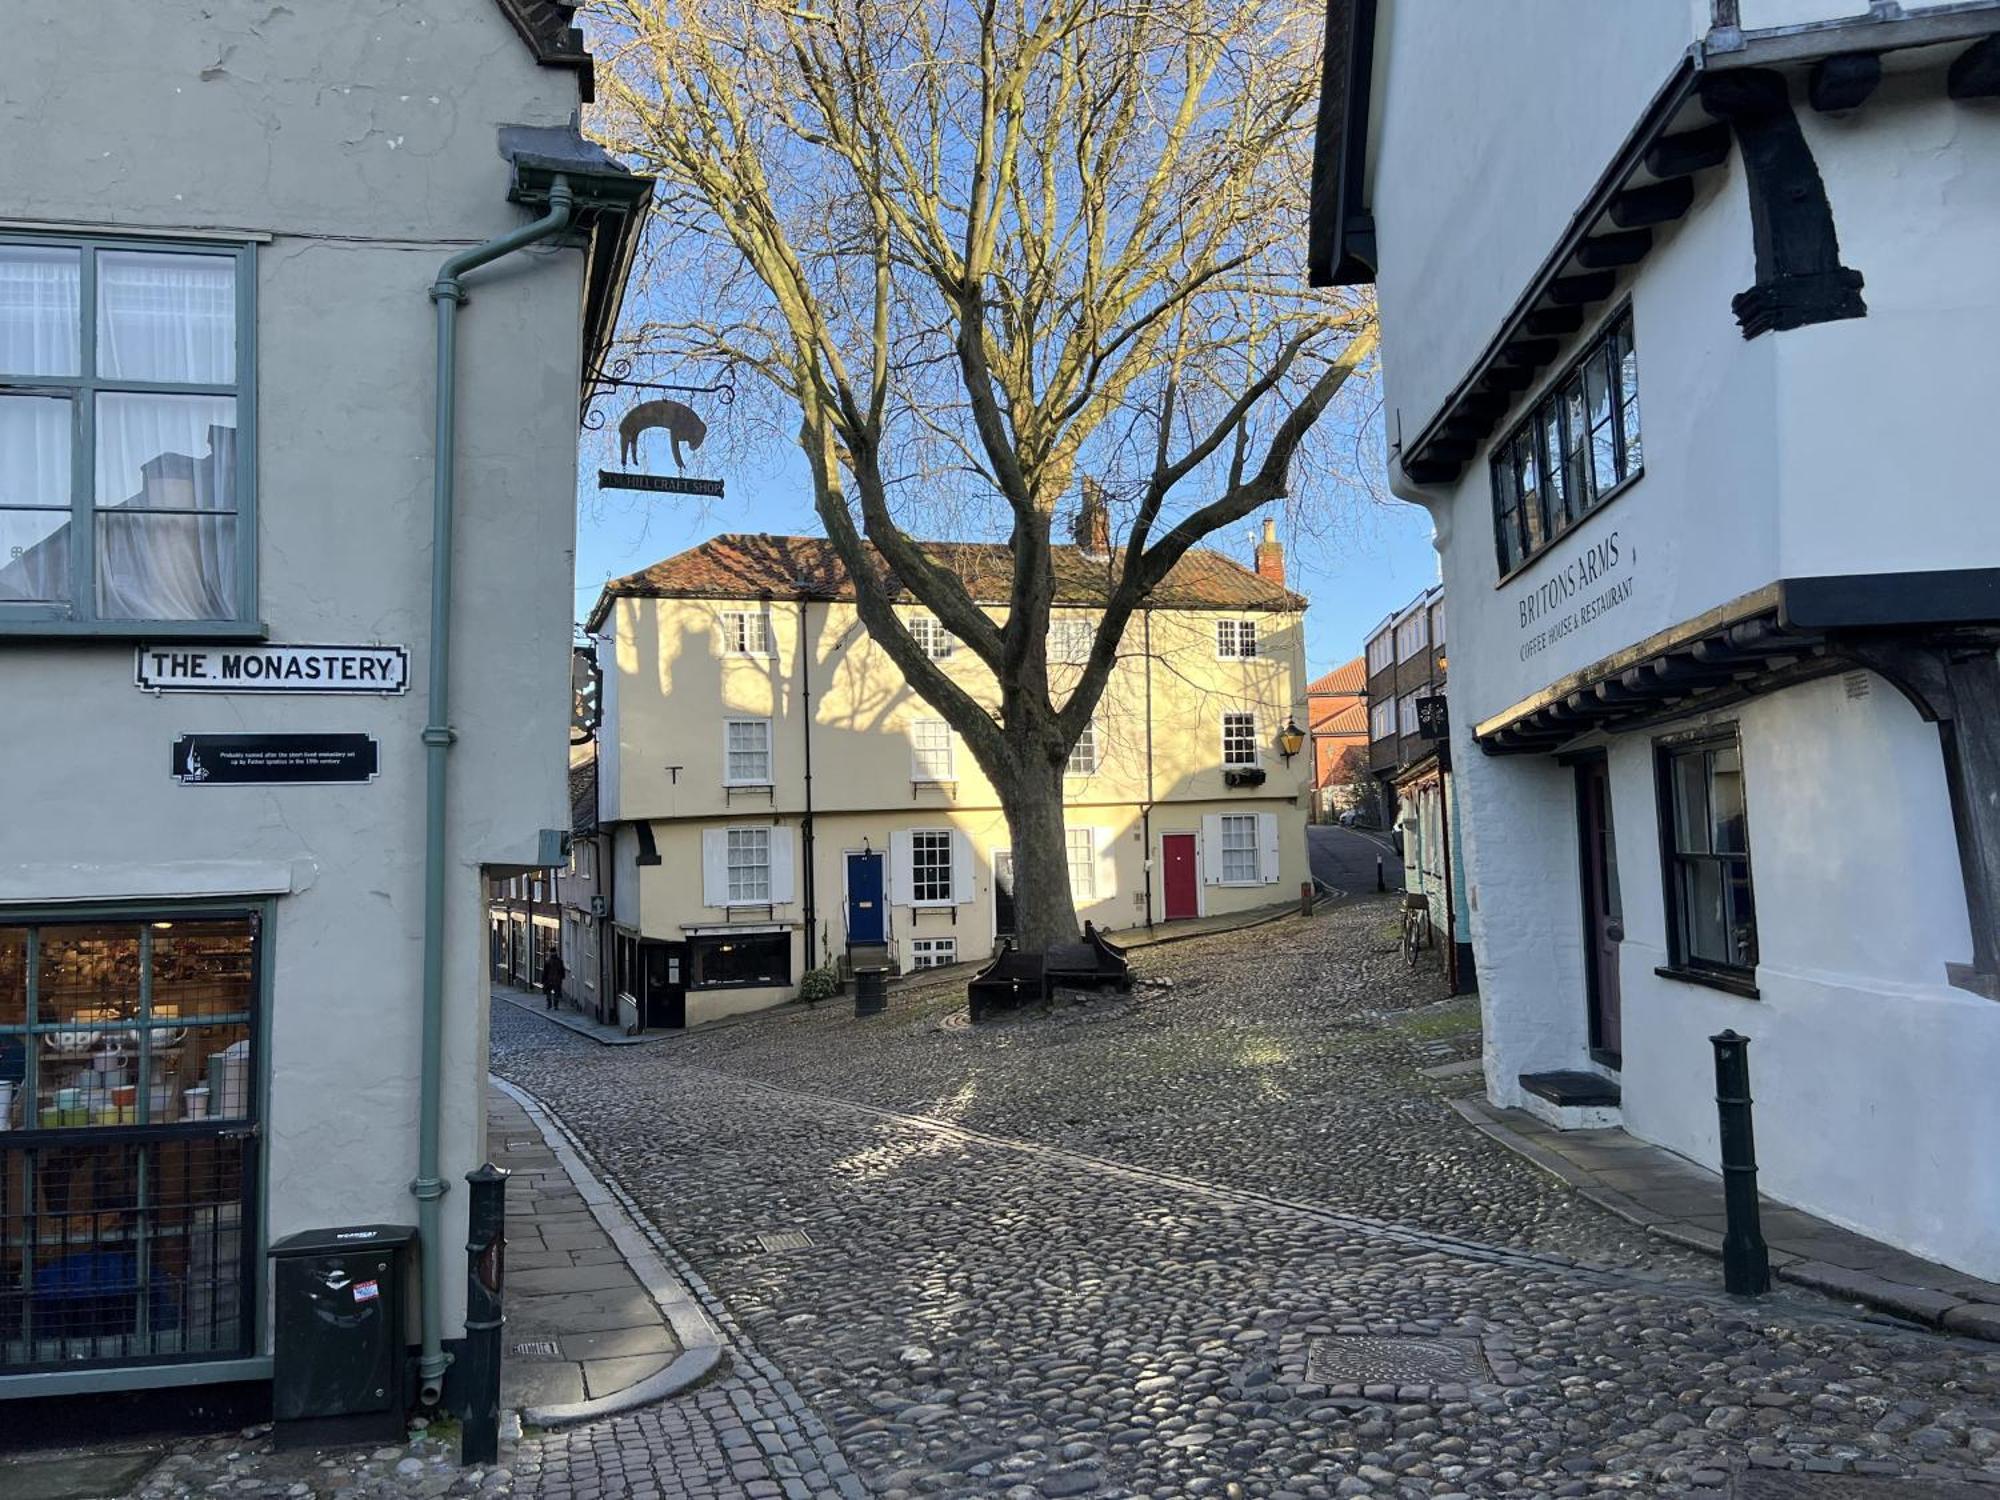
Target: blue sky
<point>1376,559</point>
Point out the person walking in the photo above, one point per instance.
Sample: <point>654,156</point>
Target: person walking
<point>552,977</point>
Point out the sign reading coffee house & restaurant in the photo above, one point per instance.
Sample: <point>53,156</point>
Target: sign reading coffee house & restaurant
<point>273,669</point>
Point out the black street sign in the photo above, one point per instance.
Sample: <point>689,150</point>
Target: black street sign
<point>1433,723</point>
<point>672,484</point>
<point>273,759</point>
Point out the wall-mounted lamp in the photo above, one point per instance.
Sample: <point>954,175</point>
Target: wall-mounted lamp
<point>1291,739</point>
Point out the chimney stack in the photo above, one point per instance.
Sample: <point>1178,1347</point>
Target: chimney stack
<point>1093,522</point>
<point>1271,554</point>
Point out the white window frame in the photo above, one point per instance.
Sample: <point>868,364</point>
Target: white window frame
<point>1413,635</point>
<point>926,773</point>
<point>1070,640</point>
<point>930,635</point>
<point>1382,644</point>
<point>1081,844</point>
<point>736,634</point>
<point>1406,713</point>
<point>938,875</point>
<point>933,952</point>
<point>1235,640</point>
<point>1239,821</point>
<point>1249,759</point>
<point>1083,755</point>
<point>1382,720</point>
<point>748,841</point>
<point>769,777</point>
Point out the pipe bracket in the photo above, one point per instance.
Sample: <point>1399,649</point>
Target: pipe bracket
<point>439,734</point>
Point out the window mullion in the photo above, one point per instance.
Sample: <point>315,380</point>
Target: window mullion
<point>83,451</point>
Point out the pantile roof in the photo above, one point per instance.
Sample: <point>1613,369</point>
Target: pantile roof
<point>1350,717</point>
<point>1348,677</point>
<point>750,565</point>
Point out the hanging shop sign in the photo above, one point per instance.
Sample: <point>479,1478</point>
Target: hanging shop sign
<point>1433,718</point>
<point>273,669</point>
<point>274,759</point>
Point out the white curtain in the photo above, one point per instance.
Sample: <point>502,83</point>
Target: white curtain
<point>38,310</point>
<point>166,317</point>
<point>34,498</point>
<point>166,497</point>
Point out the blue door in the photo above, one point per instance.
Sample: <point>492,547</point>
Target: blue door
<point>867,920</point>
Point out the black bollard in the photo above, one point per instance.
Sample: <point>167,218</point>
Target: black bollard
<point>871,992</point>
<point>1381,881</point>
<point>1746,1264</point>
<point>485,1281</point>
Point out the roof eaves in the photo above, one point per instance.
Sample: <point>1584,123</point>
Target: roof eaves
<point>1340,242</point>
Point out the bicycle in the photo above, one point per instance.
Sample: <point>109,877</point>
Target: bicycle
<point>1417,931</point>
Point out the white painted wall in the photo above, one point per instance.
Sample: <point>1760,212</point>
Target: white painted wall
<point>362,138</point>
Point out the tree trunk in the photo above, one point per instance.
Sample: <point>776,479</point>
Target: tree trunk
<point>1032,796</point>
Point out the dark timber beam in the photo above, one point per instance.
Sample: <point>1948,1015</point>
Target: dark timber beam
<point>1800,280</point>
<point>1975,72</point>
<point>1605,251</point>
<point>1843,81</point>
<point>1655,203</point>
<point>1576,291</point>
<point>1553,320</point>
<point>1530,353</point>
<point>1689,152</point>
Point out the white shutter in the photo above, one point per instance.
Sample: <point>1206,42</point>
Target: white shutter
<point>961,868</point>
<point>900,883</point>
<point>1267,845</point>
<point>781,866</point>
<point>715,867</point>
<point>1211,849</point>
<point>1103,846</point>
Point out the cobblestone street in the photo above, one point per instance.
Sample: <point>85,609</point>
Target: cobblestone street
<point>1221,1237</point>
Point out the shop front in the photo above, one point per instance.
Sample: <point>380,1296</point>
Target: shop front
<point>130,1098</point>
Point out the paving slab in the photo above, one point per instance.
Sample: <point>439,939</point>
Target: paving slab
<point>75,1476</point>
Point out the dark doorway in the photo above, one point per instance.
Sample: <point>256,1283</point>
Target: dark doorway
<point>665,980</point>
<point>1180,880</point>
<point>1603,913</point>
<point>1004,925</point>
<point>865,912</point>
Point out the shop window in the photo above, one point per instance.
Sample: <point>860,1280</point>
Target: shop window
<point>1576,447</point>
<point>746,632</point>
<point>1241,864</point>
<point>933,953</point>
<point>128,1084</point>
<point>1083,754</point>
<point>742,960</point>
<point>930,866</point>
<point>1239,739</point>
<point>1711,914</point>
<point>125,498</point>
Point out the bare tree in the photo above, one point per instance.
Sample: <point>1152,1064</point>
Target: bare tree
<point>978,249</point>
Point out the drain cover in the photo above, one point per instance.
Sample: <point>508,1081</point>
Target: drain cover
<point>784,1239</point>
<point>1363,1359</point>
<point>538,1349</point>
<point>1778,1486</point>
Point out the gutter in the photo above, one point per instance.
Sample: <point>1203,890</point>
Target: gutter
<point>447,295</point>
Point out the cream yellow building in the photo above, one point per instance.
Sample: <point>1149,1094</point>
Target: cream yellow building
<point>778,797</point>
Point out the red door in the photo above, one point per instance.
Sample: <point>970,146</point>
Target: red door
<point>1183,894</point>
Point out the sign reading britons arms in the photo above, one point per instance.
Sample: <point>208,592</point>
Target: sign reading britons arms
<point>273,669</point>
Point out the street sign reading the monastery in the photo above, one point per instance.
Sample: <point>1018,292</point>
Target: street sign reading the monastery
<point>273,669</point>
<point>274,759</point>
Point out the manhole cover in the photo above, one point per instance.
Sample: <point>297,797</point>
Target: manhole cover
<point>783,1239</point>
<point>1363,1359</point>
<point>538,1349</point>
<point>1757,1485</point>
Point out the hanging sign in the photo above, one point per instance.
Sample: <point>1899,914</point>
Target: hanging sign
<point>1433,720</point>
<point>273,669</point>
<point>670,484</point>
<point>274,759</point>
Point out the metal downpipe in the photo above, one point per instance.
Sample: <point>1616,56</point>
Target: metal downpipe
<point>428,1187</point>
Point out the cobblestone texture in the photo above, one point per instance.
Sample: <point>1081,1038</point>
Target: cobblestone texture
<point>1103,1276</point>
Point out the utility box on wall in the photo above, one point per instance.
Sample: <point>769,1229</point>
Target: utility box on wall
<point>339,1349</point>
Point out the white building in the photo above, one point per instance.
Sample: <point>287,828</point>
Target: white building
<point>225,262</point>
<point>1725,701</point>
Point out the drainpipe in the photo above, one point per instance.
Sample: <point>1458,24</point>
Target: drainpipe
<point>806,714</point>
<point>447,293</point>
<point>1146,812</point>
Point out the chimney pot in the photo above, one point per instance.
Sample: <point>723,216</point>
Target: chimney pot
<point>1093,522</point>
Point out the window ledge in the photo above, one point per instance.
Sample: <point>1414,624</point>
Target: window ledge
<point>1731,984</point>
<point>755,786</point>
<point>133,630</point>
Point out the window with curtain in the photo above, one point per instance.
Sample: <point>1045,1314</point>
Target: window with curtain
<point>1240,862</point>
<point>1711,914</point>
<point>749,856</point>
<point>123,384</point>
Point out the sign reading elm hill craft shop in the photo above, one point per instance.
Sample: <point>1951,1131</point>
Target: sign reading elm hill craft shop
<point>274,759</point>
<point>273,669</point>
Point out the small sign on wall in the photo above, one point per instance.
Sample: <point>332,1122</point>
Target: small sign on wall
<point>1433,718</point>
<point>274,759</point>
<point>273,669</point>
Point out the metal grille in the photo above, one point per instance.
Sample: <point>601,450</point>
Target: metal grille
<point>128,1168</point>
<point>538,1349</point>
<point>783,1239</point>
